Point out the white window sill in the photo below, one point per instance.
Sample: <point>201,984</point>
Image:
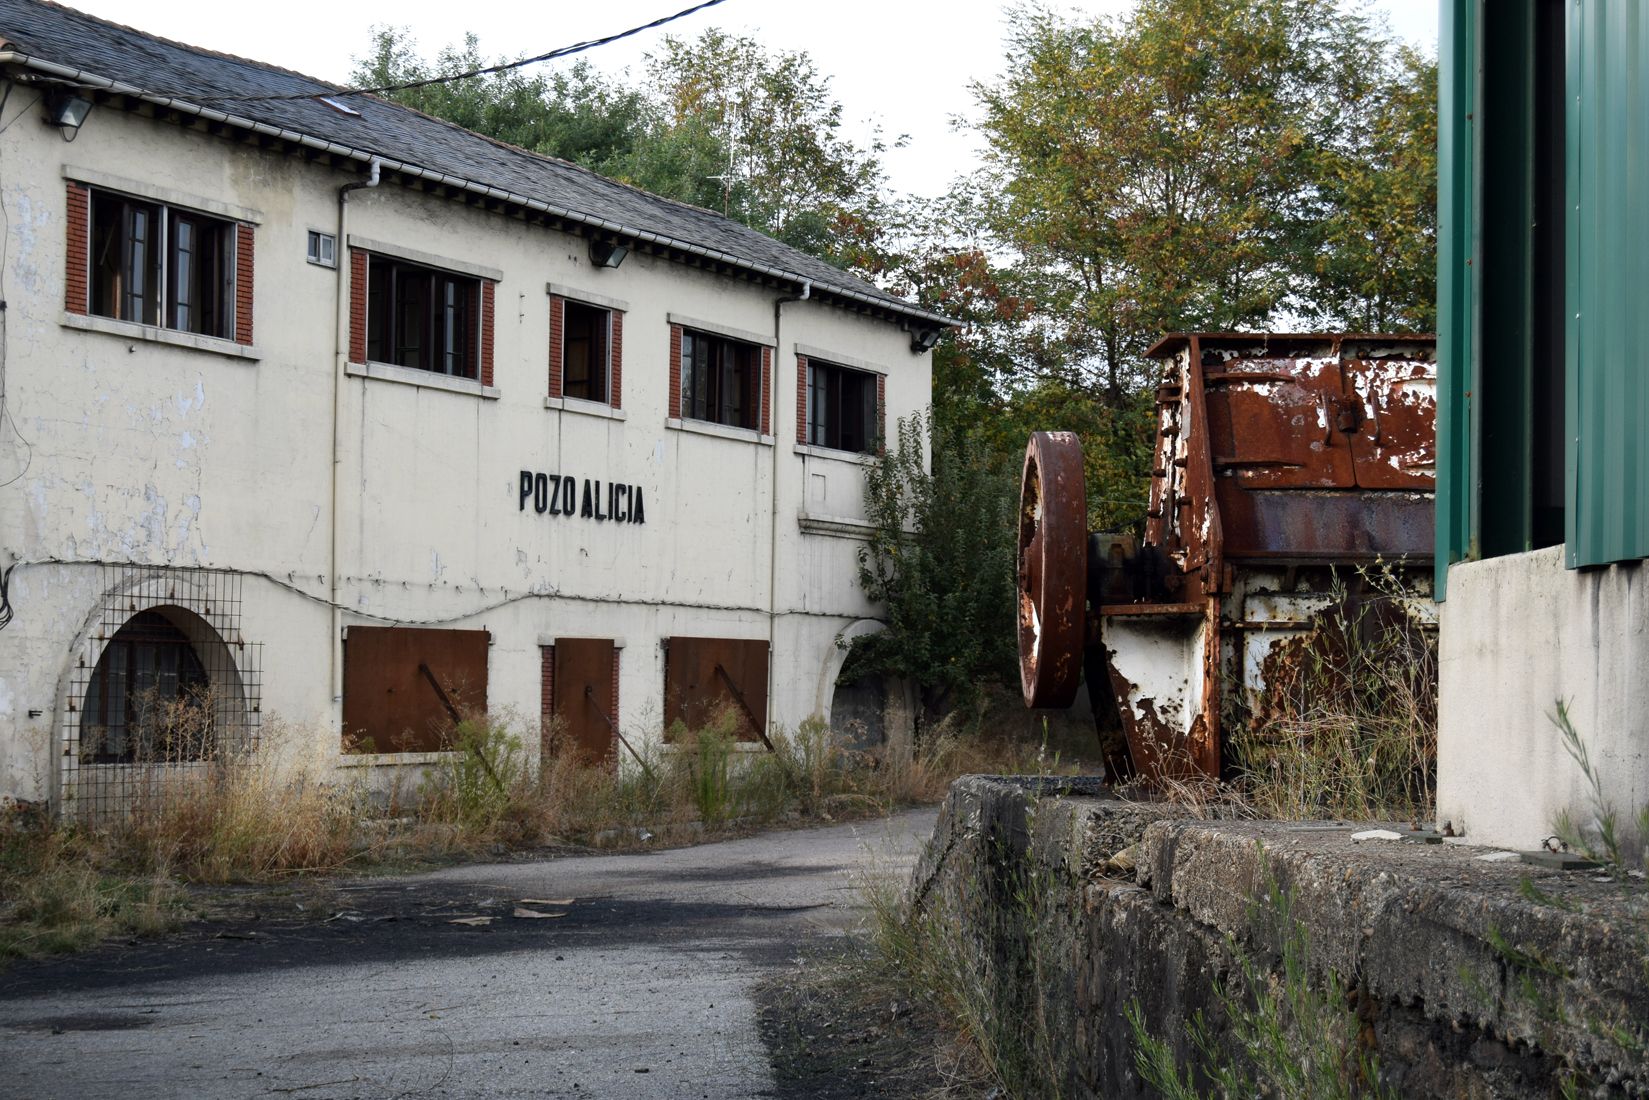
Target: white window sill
<point>720,431</point>
<point>584,408</point>
<point>854,457</point>
<point>131,330</point>
<point>838,527</point>
<point>393,759</point>
<point>425,379</point>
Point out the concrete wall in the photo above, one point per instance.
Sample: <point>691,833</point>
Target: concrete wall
<point>1520,633</point>
<point>1460,981</point>
<point>137,445</point>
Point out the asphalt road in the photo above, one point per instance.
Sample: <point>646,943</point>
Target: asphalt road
<point>638,985</point>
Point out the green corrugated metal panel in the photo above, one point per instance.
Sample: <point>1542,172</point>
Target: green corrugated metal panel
<point>1607,332</point>
<point>1456,281</point>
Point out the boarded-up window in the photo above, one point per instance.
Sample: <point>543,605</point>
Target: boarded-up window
<point>704,677</point>
<point>404,687</point>
<point>580,685</point>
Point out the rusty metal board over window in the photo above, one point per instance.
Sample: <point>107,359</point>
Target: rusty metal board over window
<point>584,681</point>
<point>404,687</point>
<point>705,677</point>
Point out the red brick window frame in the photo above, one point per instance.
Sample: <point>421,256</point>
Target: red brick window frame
<point>375,319</point>
<point>158,264</point>
<point>721,377</point>
<point>586,349</point>
<point>840,407</point>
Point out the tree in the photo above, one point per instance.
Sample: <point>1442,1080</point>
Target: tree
<point>1373,246</point>
<point>788,168</point>
<point>947,584</point>
<point>577,114</point>
<point>717,121</point>
<point>1188,167</point>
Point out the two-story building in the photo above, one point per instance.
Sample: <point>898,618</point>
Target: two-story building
<point>314,406</point>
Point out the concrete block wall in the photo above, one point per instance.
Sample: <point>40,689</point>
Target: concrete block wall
<point>1518,634</point>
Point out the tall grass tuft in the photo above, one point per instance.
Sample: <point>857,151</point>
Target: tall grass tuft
<point>243,815</point>
<point>1283,1036</point>
<point>58,893</point>
<point>1348,727</point>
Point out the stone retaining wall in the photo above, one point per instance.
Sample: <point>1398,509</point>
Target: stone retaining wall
<point>1468,978</point>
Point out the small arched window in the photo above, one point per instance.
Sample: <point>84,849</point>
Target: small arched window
<point>149,698</point>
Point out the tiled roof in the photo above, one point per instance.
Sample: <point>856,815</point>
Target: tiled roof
<point>54,38</point>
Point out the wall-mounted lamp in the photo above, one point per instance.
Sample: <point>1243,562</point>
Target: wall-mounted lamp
<point>923,339</point>
<point>607,253</point>
<point>66,109</point>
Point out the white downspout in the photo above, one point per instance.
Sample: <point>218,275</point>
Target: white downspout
<point>341,305</point>
<point>773,535</point>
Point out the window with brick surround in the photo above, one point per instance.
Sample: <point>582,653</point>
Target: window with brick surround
<point>586,351</point>
<point>422,317</point>
<point>722,380</point>
<point>844,408</point>
<point>152,263</point>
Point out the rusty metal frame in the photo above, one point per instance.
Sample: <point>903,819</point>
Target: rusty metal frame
<point>1332,446</point>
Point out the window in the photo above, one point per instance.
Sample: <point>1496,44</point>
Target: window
<point>422,318</point>
<point>160,265</point>
<point>710,681</point>
<point>585,351</point>
<point>148,700</point>
<point>842,408</point>
<point>721,380</point>
<point>323,248</point>
<point>406,688</point>
<point>579,699</point>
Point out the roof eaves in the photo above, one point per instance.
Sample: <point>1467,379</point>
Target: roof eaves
<point>81,76</point>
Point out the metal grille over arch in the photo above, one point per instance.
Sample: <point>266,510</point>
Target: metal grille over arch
<point>162,687</point>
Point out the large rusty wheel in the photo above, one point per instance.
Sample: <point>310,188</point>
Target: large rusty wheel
<point>1053,573</point>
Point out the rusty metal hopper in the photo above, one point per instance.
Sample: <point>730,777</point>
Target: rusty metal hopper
<point>1282,463</point>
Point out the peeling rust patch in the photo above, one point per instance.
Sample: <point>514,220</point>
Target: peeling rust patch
<point>1273,452</point>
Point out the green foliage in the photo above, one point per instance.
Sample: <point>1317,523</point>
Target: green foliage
<point>1283,1036</point>
<point>576,114</point>
<point>1185,167</point>
<point>475,781</point>
<point>941,562</point>
<point>718,121</point>
<point>1603,838</point>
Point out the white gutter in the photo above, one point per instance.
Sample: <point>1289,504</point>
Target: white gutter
<point>80,76</point>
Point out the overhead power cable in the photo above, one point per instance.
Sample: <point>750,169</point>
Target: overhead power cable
<point>504,66</point>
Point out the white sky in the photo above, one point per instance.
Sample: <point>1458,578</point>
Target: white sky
<point>906,64</point>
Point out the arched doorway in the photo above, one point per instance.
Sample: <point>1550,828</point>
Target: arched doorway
<point>149,699</point>
<point>858,713</point>
<point>163,687</point>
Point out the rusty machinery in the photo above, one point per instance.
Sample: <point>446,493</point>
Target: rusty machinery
<point>1282,463</point>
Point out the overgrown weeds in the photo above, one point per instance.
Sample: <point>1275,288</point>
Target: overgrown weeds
<point>1348,725</point>
<point>242,815</point>
<point>59,892</point>
<point>917,953</point>
<point>1282,1035</point>
<point>1604,837</point>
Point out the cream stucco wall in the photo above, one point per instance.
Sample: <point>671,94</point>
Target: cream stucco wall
<point>128,448</point>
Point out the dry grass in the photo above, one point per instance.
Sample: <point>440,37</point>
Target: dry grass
<point>59,892</point>
<point>699,784</point>
<point>243,816</point>
<point>280,811</point>
<point>1348,728</point>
